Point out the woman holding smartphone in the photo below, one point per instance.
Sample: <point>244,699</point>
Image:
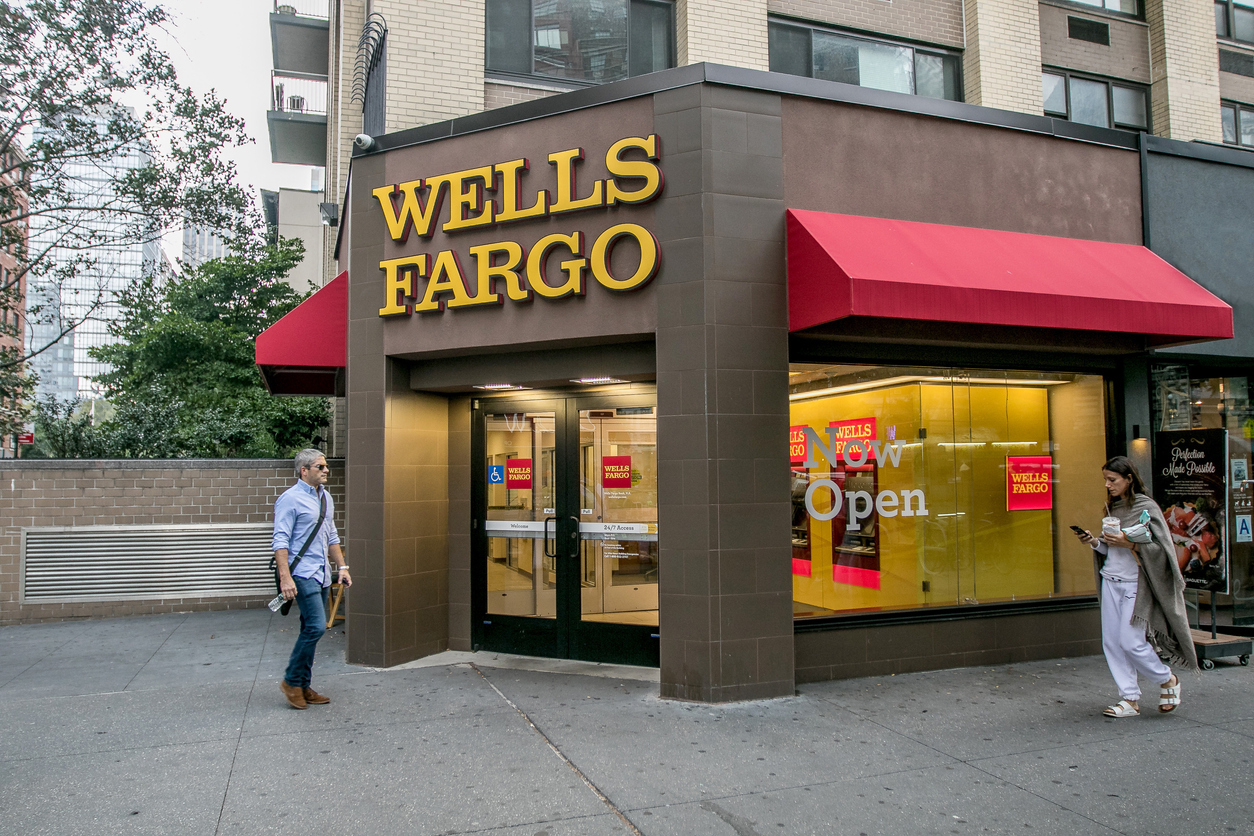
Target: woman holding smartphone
<point>1144,624</point>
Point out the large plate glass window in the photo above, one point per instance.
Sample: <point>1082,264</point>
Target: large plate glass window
<point>585,41</point>
<point>941,486</point>
<point>835,56</point>
<point>1089,101</point>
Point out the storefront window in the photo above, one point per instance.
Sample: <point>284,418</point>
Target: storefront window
<point>924,487</point>
<point>1193,398</point>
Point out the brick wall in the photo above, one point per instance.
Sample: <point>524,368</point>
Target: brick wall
<point>435,60</point>
<point>500,94</point>
<point>1002,63</point>
<point>931,21</point>
<point>37,492</point>
<point>1126,57</point>
<point>723,32</point>
<point>1184,66</point>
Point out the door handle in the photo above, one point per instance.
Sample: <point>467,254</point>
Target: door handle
<point>548,520</point>
<point>574,532</point>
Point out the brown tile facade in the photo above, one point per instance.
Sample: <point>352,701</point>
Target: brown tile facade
<point>1001,640</point>
<point>36,493</point>
<point>725,595</point>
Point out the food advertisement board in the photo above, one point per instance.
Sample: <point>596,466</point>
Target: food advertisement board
<point>1190,484</point>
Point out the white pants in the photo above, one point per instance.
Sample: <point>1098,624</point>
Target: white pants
<point>1127,651</point>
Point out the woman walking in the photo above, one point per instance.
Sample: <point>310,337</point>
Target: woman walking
<point>1144,624</point>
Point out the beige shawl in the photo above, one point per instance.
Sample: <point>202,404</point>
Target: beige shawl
<point>1160,586</point>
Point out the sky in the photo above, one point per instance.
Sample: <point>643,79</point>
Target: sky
<point>224,45</point>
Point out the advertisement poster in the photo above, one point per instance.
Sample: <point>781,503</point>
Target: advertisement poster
<point>1029,483</point>
<point>1190,484</point>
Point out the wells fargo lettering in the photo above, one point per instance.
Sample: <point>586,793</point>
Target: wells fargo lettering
<point>460,201</point>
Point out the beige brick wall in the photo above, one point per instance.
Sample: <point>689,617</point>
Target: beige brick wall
<point>1184,67</point>
<point>500,94</point>
<point>1127,56</point>
<point>931,21</point>
<point>36,493</point>
<point>723,32</point>
<point>435,61</point>
<point>1002,63</point>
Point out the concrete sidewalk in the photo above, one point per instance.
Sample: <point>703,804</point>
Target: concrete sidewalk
<point>175,725</point>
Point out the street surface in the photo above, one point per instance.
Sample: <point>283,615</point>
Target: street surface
<point>174,724</point>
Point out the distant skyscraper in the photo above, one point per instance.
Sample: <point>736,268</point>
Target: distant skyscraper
<point>201,245</point>
<point>89,295</point>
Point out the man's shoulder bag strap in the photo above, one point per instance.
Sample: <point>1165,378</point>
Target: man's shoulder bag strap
<point>313,532</point>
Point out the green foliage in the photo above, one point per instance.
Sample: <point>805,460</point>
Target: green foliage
<point>63,430</point>
<point>184,383</point>
<point>67,66</point>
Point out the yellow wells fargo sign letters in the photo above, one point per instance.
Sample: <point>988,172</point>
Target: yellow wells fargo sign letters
<point>505,269</point>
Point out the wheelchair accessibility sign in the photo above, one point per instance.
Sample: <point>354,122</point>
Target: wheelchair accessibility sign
<point>496,474</point>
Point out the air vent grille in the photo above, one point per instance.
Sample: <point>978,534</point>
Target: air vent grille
<point>1236,62</point>
<point>130,563</point>
<point>1083,29</point>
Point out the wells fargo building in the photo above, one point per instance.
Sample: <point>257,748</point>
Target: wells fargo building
<point>758,378</point>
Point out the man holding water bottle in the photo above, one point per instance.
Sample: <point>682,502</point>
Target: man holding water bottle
<point>305,545</point>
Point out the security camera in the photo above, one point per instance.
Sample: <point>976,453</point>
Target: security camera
<point>365,142</point>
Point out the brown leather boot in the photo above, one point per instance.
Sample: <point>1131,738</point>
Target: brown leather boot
<point>295,696</point>
<point>312,697</point>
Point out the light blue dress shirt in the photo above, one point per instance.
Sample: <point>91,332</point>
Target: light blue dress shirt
<point>295,512</point>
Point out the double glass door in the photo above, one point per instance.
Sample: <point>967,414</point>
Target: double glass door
<point>565,535</point>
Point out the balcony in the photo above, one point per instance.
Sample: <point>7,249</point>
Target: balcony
<point>298,118</point>
<point>299,33</point>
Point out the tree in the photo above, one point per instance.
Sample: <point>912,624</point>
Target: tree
<point>184,382</point>
<point>67,70</point>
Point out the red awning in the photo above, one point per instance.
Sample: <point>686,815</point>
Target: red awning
<point>843,266</point>
<point>306,352</point>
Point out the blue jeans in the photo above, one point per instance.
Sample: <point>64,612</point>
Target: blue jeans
<point>311,597</point>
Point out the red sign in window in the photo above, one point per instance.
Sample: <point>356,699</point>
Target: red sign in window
<point>518,474</point>
<point>616,471</point>
<point>797,444</point>
<point>1029,483</point>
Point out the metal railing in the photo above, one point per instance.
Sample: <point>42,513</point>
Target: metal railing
<point>292,92</point>
<point>303,8</point>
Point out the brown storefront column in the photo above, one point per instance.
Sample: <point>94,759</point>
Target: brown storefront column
<point>397,492</point>
<point>725,596</point>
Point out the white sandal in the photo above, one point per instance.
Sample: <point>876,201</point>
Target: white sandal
<point>1123,709</point>
<point>1169,697</point>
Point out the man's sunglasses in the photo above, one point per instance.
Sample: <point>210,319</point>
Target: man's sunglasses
<point>318,467</point>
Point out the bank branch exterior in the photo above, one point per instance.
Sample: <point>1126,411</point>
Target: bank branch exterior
<point>757,378</point>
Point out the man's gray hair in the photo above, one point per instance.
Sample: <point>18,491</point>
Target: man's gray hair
<point>306,458</point>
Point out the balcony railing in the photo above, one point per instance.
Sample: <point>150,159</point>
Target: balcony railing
<point>298,93</point>
<point>303,8</point>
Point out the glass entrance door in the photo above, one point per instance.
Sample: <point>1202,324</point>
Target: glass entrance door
<point>565,534</point>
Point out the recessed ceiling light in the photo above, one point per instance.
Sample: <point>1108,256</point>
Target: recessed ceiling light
<point>498,387</point>
<point>597,381</point>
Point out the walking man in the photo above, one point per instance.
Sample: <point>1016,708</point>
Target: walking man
<point>305,545</point>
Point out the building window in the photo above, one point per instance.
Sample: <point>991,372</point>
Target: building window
<point>819,53</point>
<point>1127,7</point>
<point>1238,124</point>
<point>589,41</point>
<point>933,487</point>
<point>1095,102</point>
<point>1234,19</point>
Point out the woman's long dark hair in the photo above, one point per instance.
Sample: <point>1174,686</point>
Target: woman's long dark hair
<point>1125,468</point>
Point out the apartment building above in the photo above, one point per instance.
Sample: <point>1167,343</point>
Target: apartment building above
<point>297,119</point>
